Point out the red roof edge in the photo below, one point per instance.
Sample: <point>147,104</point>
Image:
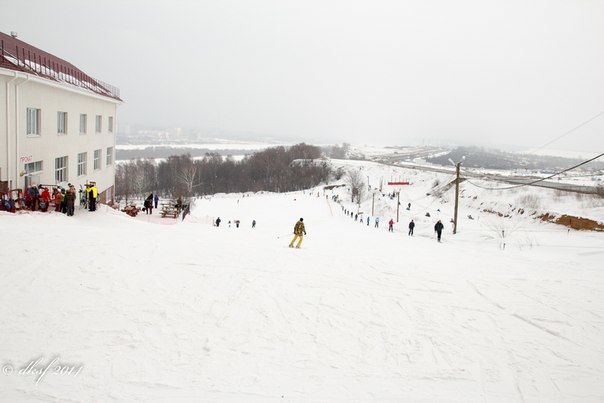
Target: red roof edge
<point>21,56</point>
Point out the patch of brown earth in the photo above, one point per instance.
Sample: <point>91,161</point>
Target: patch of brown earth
<point>573,222</point>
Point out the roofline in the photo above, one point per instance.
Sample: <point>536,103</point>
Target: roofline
<point>60,85</point>
<point>24,57</point>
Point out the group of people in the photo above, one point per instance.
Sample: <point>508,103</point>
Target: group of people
<point>236,222</point>
<point>438,227</point>
<point>151,202</point>
<point>39,198</point>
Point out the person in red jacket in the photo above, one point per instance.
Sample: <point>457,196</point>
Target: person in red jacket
<point>44,199</point>
<point>391,225</point>
<point>45,194</point>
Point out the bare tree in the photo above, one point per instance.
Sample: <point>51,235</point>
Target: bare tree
<point>181,175</point>
<point>187,176</point>
<point>355,180</point>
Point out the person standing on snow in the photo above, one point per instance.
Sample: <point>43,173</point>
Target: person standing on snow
<point>70,197</point>
<point>156,200</point>
<point>58,197</point>
<point>253,223</point>
<point>391,225</point>
<point>92,195</point>
<point>299,232</point>
<point>411,226</point>
<point>368,221</point>
<point>148,204</point>
<point>218,222</point>
<point>44,199</point>
<point>377,222</point>
<point>438,228</point>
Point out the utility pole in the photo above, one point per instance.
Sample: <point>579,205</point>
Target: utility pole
<point>398,203</point>
<point>457,169</point>
<point>373,204</point>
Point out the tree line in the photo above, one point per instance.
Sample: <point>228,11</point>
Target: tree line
<point>277,169</point>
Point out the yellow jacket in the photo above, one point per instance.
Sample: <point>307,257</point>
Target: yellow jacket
<point>299,228</point>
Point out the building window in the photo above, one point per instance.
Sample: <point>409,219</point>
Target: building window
<point>32,173</point>
<point>97,159</point>
<point>33,122</point>
<point>33,167</point>
<point>83,123</point>
<point>61,169</point>
<point>110,124</point>
<point>109,156</point>
<point>82,157</point>
<point>98,123</point>
<point>62,122</point>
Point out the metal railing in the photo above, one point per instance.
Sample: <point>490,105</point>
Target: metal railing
<point>43,65</point>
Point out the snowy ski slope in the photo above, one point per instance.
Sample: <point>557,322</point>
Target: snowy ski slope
<point>190,312</point>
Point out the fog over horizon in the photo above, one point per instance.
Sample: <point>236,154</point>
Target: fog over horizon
<point>489,73</point>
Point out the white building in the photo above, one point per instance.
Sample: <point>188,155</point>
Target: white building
<point>57,124</point>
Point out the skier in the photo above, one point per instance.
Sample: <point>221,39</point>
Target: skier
<point>237,223</point>
<point>156,200</point>
<point>356,216</point>
<point>377,222</point>
<point>391,225</point>
<point>253,223</point>
<point>438,227</point>
<point>299,232</point>
<point>411,226</point>
<point>218,222</point>
<point>368,221</point>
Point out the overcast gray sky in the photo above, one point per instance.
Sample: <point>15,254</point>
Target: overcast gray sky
<point>488,72</point>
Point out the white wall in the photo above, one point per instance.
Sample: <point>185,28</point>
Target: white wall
<point>51,98</point>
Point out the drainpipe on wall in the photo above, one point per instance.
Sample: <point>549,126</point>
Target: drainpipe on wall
<point>8,170</point>
<point>17,129</point>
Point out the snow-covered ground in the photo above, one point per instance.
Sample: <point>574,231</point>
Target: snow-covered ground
<point>190,312</point>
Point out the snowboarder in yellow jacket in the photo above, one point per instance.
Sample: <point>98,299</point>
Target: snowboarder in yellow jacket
<point>299,232</point>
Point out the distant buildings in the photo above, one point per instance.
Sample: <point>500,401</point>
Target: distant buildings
<point>58,124</point>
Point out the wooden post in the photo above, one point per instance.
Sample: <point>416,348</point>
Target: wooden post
<point>457,168</point>
<point>398,203</point>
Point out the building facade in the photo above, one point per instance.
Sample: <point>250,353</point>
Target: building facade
<point>58,124</point>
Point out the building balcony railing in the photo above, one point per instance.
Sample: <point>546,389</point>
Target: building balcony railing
<point>53,68</point>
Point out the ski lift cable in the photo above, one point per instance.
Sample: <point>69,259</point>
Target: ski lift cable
<point>537,180</point>
<point>567,132</point>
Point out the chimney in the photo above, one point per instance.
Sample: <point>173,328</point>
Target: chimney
<point>13,34</point>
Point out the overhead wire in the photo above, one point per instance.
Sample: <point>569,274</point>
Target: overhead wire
<point>537,180</point>
<point>567,132</point>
